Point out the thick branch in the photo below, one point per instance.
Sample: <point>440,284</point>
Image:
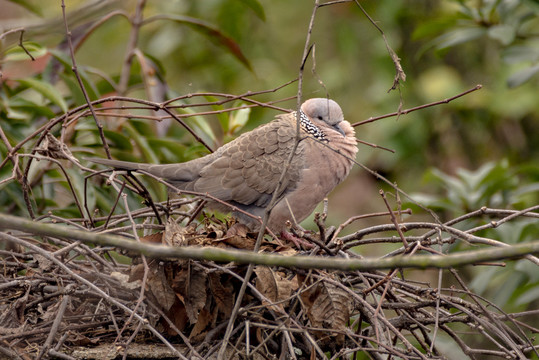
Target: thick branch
<point>247,257</point>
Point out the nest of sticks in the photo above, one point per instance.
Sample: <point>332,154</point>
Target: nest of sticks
<point>61,298</point>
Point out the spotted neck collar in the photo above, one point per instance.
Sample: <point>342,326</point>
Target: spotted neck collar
<point>311,128</point>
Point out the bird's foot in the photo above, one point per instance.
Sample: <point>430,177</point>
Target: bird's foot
<point>296,240</point>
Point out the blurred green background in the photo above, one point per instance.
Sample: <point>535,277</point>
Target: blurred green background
<point>479,150</point>
<point>446,47</point>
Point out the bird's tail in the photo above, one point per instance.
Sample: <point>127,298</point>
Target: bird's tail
<point>120,165</point>
<point>173,172</point>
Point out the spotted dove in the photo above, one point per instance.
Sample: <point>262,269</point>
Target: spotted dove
<point>245,172</point>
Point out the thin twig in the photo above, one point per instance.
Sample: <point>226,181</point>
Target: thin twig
<point>399,72</point>
<point>81,84</point>
<point>136,23</point>
<point>407,111</point>
<point>57,321</point>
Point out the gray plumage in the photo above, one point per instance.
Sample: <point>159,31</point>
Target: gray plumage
<point>245,172</point>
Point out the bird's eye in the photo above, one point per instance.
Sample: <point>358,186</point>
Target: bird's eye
<point>320,117</point>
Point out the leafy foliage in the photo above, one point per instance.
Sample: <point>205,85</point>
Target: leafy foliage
<point>512,24</point>
<point>493,185</point>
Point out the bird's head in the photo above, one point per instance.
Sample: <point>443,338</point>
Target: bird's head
<point>324,113</point>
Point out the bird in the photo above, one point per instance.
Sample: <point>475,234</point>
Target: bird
<point>245,172</point>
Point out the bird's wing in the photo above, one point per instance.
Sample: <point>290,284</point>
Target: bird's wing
<point>247,170</point>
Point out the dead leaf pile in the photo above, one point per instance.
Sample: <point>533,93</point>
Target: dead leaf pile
<point>196,297</point>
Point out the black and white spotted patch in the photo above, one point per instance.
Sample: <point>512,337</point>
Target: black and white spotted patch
<point>311,128</point>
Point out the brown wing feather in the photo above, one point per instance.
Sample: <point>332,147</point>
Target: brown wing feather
<point>247,169</point>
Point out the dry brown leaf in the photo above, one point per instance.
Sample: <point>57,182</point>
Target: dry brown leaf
<point>204,319</point>
<point>178,316</point>
<point>49,313</point>
<point>13,316</point>
<point>238,242</point>
<point>274,286</point>
<point>44,263</point>
<point>159,286</point>
<point>155,238</point>
<point>223,293</point>
<point>136,272</point>
<point>190,287</point>
<point>214,227</point>
<point>327,306</point>
<point>286,250</point>
<point>176,235</point>
<point>238,229</point>
<point>53,148</point>
<point>235,236</point>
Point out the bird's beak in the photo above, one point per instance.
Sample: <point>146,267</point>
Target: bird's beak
<point>339,129</point>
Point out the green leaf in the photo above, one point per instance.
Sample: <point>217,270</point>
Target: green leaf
<point>459,36</point>
<point>62,57</point>
<point>176,151</point>
<point>149,154</point>
<point>513,281</point>
<point>528,268</point>
<point>482,280</point>
<point>12,193</point>
<point>505,34</point>
<point>528,189</point>
<point>532,294</point>
<point>77,181</point>
<point>69,77</point>
<point>67,212</point>
<point>520,77</point>
<point>214,34</point>
<point>205,130</point>
<point>28,6</point>
<point>518,53</point>
<point>475,178</point>
<point>431,201</point>
<point>17,53</point>
<point>493,184</point>
<point>89,85</point>
<point>156,64</point>
<point>470,12</point>
<point>120,141</point>
<point>17,115</point>
<point>238,119</point>
<point>75,90</point>
<point>200,124</point>
<point>18,105</point>
<point>222,117</point>
<point>432,27</point>
<point>47,90</point>
<point>256,7</point>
